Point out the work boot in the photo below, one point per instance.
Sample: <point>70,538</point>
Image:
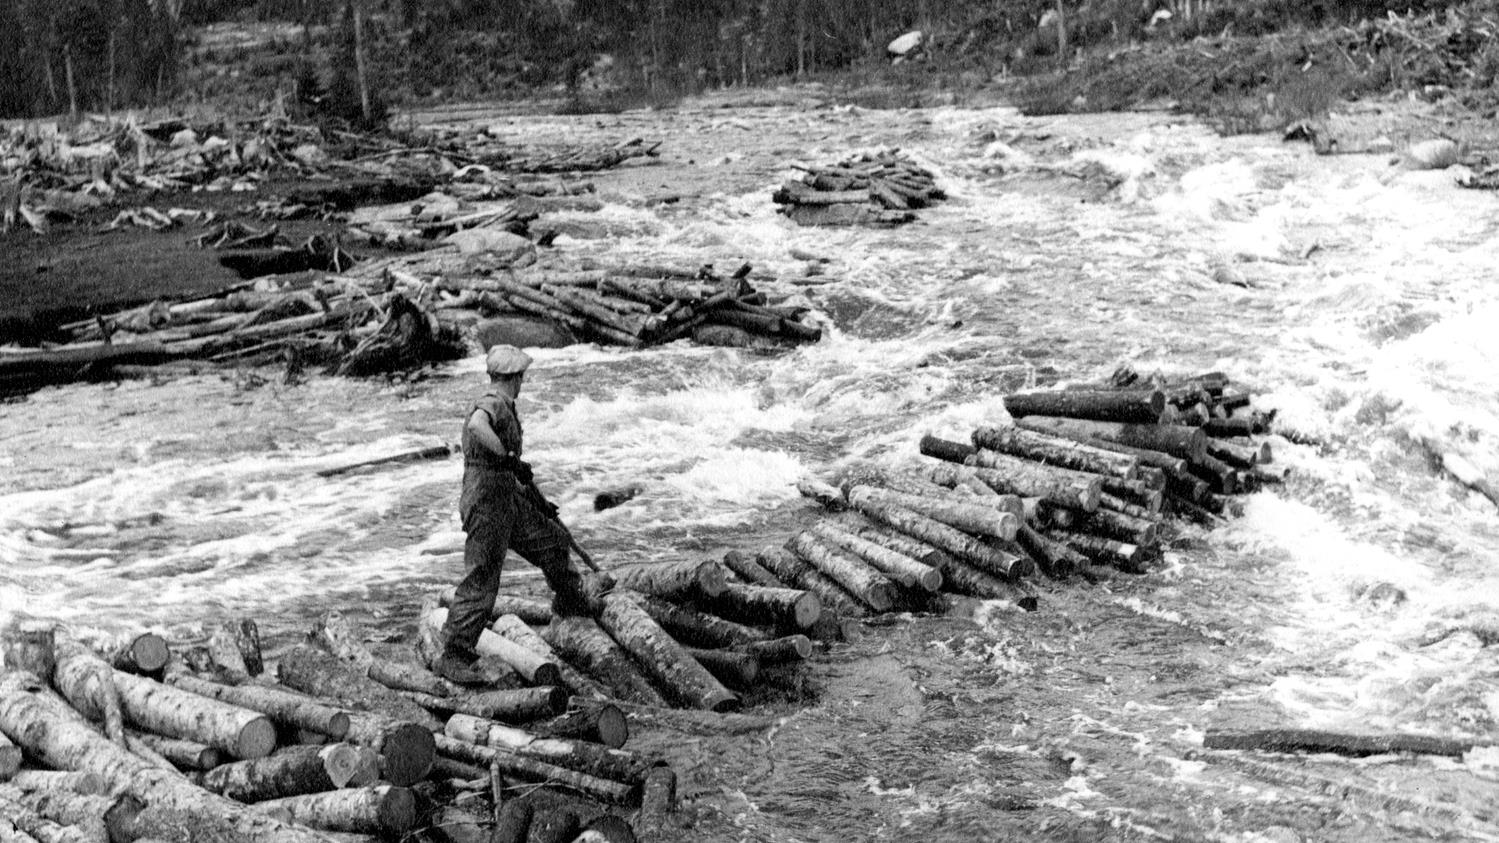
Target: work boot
<point>458,672</point>
<point>568,596</point>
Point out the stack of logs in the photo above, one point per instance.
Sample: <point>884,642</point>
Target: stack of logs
<point>637,306</point>
<point>133,744</point>
<point>870,189</point>
<point>1080,484</point>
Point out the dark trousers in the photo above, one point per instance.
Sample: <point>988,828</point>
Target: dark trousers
<point>494,525</point>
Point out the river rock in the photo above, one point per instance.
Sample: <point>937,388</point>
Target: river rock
<point>523,332</point>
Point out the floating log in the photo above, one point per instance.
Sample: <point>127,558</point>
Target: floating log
<point>855,575</point>
<point>695,628</point>
<point>294,771</point>
<point>973,518</point>
<point>1057,560</point>
<point>799,574</point>
<point>759,605</point>
<point>515,629</point>
<point>827,495</point>
<point>60,739</point>
<point>582,642</point>
<point>1053,450</point>
<point>1015,476</point>
<point>588,720</point>
<point>282,706</point>
<point>946,449</point>
<point>673,580</point>
<point>1341,743</point>
<point>749,570</point>
<point>429,452</point>
<point>405,750</point>
<point>517,705</point>
<point>907,571</point>
<point>145,654</point>
<point>734,669</point>
<point>189,755</point>
<point>324,675</point>
<point>789,648</point>
<point>531,769</point>
<point>627,623</point>
<point>1126,557</point>
<point>384,809</point>
<point>980,555</point>
<point>1110,405</point>
<point>1186,442</point>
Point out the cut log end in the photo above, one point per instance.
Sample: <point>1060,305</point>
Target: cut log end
<point>397,811</point>
<point>338,725</point>
<point>711,580</point>
<point>407,754</point>
<point>550,674</point>
<point>149,652</point>
<point>807,610</point>
<point>612,727</point>
<point>723,701</point>
<point>256,740</point>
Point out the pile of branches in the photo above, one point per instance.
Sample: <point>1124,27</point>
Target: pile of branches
<point>1084,482</point>
<point>639,306</point>
<point>871,189</point>
<point>131,740</point>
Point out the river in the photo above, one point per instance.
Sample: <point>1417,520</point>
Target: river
<point>1357,297</point>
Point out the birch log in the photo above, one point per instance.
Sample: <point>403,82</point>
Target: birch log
<point>749,570</point>
<point>973,518</point>
<point>322,674</point>
<point>1054,450</point>
<point>872,588</point>
<point>530,769</point>
<point>795,572</point>
<point>986,558</point>
<point>516,705</point>
<point>174,712</point>
<point>293,771</point>
<point>894,564</point>
<point>788,608</point>
<point>385,810</point>
<point>674,581</point>
<point>594,759</point>
<point>533,667</point>
<point>1186,442</point>
<point>283,706</point>
<point>695,628</point>
<point>664,658</point>
<point>1061,486</point>
<point>583,642</point>
<point>1111,405</point>
<point>189,755</point>
<point>588,720</point>
<point>515,629</point>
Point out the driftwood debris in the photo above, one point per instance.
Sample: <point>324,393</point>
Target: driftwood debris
<point>873,189</point>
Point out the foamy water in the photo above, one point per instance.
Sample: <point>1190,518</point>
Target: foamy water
<point>1369,320</point>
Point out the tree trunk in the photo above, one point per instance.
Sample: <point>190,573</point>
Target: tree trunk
<point>185,754</point>
<point>594,759</point>
<point>1111,405</point>
<point>1124,556</point>
<point>533,667</point>
<point>1001,564</point>
<point>1061,486</point>
<point>1186,442</point>
<point>760,605</point>
<point>517,705</point>
<point>795,572</point>
<point>84,813</point>
<point>145,654</point>
<point>871,587</point>
<point>829,496</point>
<point>789,648</point>
<point>678,581</point>
<point>1236,455</point>
<point>1148,458</point>
<point>589,720</point>
<point>973,518</point>
<point>581,641</point>
<point>88,683</point>
<point>1057,560</point>
<point>405,749</point>
<point>81,782</point>
<point>658,801</point>
<point>909,572</point>
<point>749,570</point>
<point>175,712</point>
<point>734,669</point>
<point>10,759</point>
<point>1109,524</point>
<point>1113,503</point>
<point>1054,450</point>
<point>46,830</point>
<point>223,649</point>
<point>385,810</point>
<point>533,612</point>
<point>530,769</point>
<point>1342,743</point>
<point>30,645</point>
<point>694,628</point>
<point>139,749</point>
<point>293,771</point>
<point>282,706</point>
<point>664,658</point>
<point>322,674</point>
<point>61,740</point>
<point>516,630</point>
<point>339,637</point>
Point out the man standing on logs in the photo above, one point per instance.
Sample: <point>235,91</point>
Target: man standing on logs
<point>501,510</point>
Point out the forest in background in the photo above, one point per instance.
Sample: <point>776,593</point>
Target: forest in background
<point>62,55</point>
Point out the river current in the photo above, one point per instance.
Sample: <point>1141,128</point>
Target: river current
<point>1355,295</point>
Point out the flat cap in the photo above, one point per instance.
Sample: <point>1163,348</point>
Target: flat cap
<point>506,360</point>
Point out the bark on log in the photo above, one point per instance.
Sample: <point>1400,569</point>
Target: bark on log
<point>386,810</point>
<point>788,648</point>
<point>1171,465</point>
<point>515,629</point>
<point>661,656</point>
<point>752,572</point>
<point>174,712</point>
<point>658,801</point>
<point>145,654</point>
<point>827,495</point>
<point>44,829</point>
<point>513,825</point>
<point>1001,564</point>
<point>1053,450</point>
<point>517,705</point>
<point>1130,558</point>
<point>797,573</point>
<point>190,755</point>
<point>534,668</point>
<point>1233,426</point>
<point>673,581</point>
<point>1221,476</point>
<point>1110,405</point>
<point>1342,743</point>
<point>293,771</point>
<point>589,758</point>
<point>1185,442</point>
<point>1187,487</point>
<point>1235,455</point>
<point>958,476</point>
<point>139,748</point>
<point>88,682</point>
<point>588,720</point>
<point>909,572</point>
<point>1057,560</point>
<point>694,628</point>
<point>582,642</point>
<point>1062,486</point>
<point>223,648</point>
<point>63,741</point>
<point>81,782</point>
<point>10,759</point>
<point>773,606</point>
<point>945,449</point>
<point>973,518</point>
<point>1114,503</point>
<point>1115,525</point>
<point>735,669</point>
<point>405,749</point>
<point>79,813</point>
<point>870,586</point>
<point>532,770</point>
<point>282,706</point>
<point>321,674</point>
